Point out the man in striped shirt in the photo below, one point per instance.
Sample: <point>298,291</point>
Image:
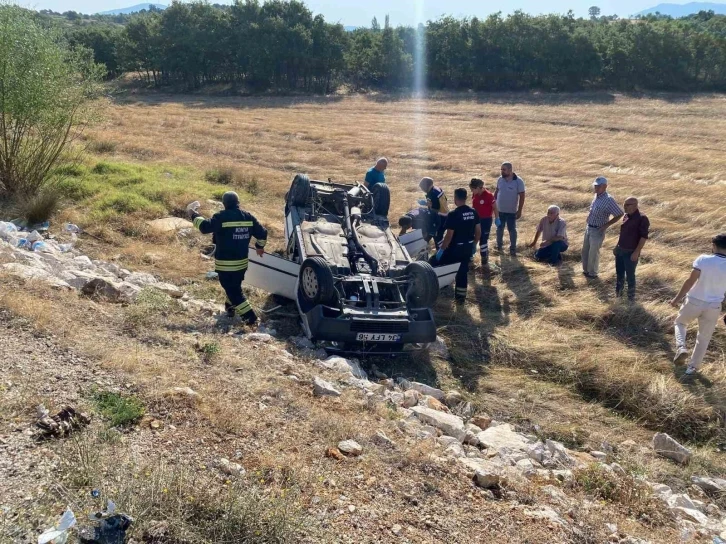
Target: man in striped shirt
<point>603,207</point>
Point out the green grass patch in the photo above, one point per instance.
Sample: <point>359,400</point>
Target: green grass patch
<point>118,409</point>
<point>109,191</point>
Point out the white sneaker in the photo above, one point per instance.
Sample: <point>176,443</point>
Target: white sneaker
<point>680,358</point>
<point>691,370</point>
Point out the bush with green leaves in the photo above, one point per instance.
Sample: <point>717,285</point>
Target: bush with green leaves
<point>48,93</point>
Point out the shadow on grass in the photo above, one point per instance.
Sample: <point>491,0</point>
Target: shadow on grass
<point>200,101</point>
<point>529,298</point>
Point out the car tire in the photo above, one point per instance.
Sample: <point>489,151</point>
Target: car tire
<point>317,285</point>
<point>299,191</point>
<point>423,285</point>
<point>381,199</point>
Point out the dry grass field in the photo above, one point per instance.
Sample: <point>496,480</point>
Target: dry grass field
<point>541,347</point>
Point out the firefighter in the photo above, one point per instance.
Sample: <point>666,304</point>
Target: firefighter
<point>232,229</point>
<point>463,231</point>
<point>438,206</point>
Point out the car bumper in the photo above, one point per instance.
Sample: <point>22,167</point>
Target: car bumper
<point>416,328</point>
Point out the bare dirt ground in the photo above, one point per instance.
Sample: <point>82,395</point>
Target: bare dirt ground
<point>541,348</point>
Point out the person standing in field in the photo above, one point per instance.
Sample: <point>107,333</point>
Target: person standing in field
<point>554,237</point>
<point>485,205</point>
<point>376,174</point>
<point>438,207</point>
<point>633,235</point>
<point>598,221</point>
<point>509,196</point>
<point>703,291</point>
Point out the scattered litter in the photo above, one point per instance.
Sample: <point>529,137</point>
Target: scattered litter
<point>110,529</point>
<point>95,493</point>
<point>59,533</point>
<point>211,275</point>
<point>62,423</point>
<point>272,309</point>
<point>72,229</point>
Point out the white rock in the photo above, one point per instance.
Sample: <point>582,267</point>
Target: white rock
<point>395,397</point>
<point>691,514</point>
<point>182,392</point>
<point>539,453</point>
<point>82,262</point>
<point>681,500</point>
<point>381,439</point>
<point>169,224</point>
<point>554,493</point>
<point>487,478</point>
<point>453,398</point>
<point>448,423</point>
<point>439,348</point>
<point>424,389</point>
<point>611,528</point>
<point>666,446</point>
<point>546,513</point>
<point>511,456</point>
<point>142,279</point>
<point>559,454</point>
<point>447,441</point>
<point>256,337</point>
<point>341,364</point>
<point>563,475</point>
<point>410,398</point>
<point>599,455</point>
<point>168,288</point>
<point>455,450</point>
<point>35,274</point>
<point>662,490</point>
<point>471,434</point>
<point>503,436</point>
<point>710,485</point>
<point>527,468</point>
<point>321,388</point>
<point>619,470</point>
<point>350,447</point>
<point>230,468</point>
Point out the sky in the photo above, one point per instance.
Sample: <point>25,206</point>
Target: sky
<point>402,12</point>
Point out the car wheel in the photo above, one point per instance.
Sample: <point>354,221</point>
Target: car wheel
<point>299,191</point>
<point>317,285</point>
<point>423,285</point>
<point>381,199</point>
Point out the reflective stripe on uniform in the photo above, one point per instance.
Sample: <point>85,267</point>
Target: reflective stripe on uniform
<point>231,266</point>
<point>261,243</point>
<point>243,308</point>
<point>236,224</point>
<point>198,221</point>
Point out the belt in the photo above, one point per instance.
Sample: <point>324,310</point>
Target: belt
<point>593,226</point>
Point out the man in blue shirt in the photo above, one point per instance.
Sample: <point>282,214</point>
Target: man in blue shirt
<point>375,174</point>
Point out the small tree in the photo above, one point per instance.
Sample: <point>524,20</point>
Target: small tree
<point>47,96</point>
<point>594,12</point>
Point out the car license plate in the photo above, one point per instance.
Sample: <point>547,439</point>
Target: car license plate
<point>377,337</point>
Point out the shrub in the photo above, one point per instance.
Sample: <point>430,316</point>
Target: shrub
<point>39,207</point>
<point>223,176</point>
<point>117,409</point>
<point>47,96</point>
<point>102,146</point>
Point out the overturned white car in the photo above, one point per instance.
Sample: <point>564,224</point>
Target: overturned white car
<point>354,283</point>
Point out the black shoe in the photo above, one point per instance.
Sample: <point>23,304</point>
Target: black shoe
<point>459,301</point>
<point>249,319</point>
<point>230,313</point>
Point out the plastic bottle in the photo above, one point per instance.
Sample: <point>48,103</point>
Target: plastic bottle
<point>24,243</point>
<point>70,227</point>
<point>41,247</point>
<point>6,229</point>
<point>65,248</point>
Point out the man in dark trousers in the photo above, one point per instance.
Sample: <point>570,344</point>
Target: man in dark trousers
<point>439,206</point>
<point>633,235</point>
<point>463,231</point>
<point>232,229</point>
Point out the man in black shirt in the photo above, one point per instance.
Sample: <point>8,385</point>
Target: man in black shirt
<point>463,231</point>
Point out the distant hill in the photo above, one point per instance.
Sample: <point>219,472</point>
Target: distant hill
<point>132,9</point>
<point>683,10</point>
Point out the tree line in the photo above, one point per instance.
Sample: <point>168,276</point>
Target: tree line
<point>282,45</point>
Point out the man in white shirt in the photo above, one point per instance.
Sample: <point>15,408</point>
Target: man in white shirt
<point>704,291</point>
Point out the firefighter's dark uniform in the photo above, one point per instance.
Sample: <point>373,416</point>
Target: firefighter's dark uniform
<point>463,221</point>
<point>439,210</point>
<point>232,230</point>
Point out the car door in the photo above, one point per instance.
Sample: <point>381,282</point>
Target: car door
<point>273,274</point>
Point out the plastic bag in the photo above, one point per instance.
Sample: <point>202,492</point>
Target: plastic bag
<point>59,533</point>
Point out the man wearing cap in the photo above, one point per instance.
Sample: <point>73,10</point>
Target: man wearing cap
<point>598,220</point>
<point>439,207</point>
<point>633,235</point>
<point>375,174</point>
<point>232,229</point>
<point>509,196</point>
<point>554,237</point>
